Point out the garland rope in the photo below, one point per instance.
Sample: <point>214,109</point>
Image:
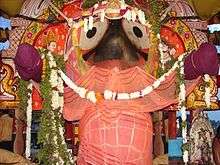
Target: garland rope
<point>54,149</point>
<point>110,95</point>
<point>29,119</point>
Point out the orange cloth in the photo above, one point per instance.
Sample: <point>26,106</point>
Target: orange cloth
<point>129,80</point>
<point>118,132</point>
<point>6,128</point>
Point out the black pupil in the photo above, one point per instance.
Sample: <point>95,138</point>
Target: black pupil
<point>137,32</point>
<point>91,33</point>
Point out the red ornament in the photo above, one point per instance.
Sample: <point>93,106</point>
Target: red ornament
<point>36,100</point>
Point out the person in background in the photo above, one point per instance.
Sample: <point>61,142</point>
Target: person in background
<point>216,147</point>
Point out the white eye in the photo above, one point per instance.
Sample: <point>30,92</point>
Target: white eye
<point>137,33</point>
<point>90,39</point>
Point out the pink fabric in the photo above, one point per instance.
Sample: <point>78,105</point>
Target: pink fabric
<point>115,137</point>
<point>129,80</point>
<point>118,132</point>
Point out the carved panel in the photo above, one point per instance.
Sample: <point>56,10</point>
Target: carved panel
<point>8,85</point>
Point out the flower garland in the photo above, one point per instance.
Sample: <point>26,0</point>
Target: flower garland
<point>29,120</point>
<point>54,149</point>
<point>111,95</point>
<point>207,95</point>
<point>182,108</point>
<point>23,95</point>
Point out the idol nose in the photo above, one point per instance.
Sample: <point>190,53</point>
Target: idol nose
<point>115,45</point>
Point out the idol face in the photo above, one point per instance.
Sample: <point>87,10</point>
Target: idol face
<point>116,40</point>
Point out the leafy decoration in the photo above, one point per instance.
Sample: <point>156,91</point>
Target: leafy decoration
<point>186,147</point>
<point>23,96</point>
<point>49,136</point>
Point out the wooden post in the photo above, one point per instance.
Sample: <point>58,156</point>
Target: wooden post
<point>19,139</point>
<point>158,141</point>
<point>172,127</point>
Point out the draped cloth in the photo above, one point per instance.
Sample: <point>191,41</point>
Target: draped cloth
<point>118,132</point>
<point>129,80</point>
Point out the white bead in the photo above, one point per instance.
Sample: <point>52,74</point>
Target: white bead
<point>108,94</point>
<point>156,84</point>
<point>147,90</point>
<point>123,96</point>
<point>135,95</point>
<point>91,96</point>
<point>82,92</point>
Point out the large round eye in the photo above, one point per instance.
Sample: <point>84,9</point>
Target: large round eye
<point>137,33</point>
<point>90,39</point>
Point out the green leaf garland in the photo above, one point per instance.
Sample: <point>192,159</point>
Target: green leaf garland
<point>50,122</point>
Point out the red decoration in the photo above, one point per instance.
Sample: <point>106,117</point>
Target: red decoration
<point>36,100</point>
<point>172,124</point>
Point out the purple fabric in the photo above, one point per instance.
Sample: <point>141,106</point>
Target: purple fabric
<point>28,62</point>
<point>202,61</point>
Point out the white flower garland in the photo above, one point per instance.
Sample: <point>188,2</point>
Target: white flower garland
<point>160,47</point>
<point>182,109</point>
<point>111,95</point>
<point>57,102</point>
<point>29,120</point>
<point>207,95</point>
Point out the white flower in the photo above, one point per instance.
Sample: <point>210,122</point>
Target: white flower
<point>55,98</point>
<point>182,94</point>
<point>135,95</point>
<point>123,96</point>
<point>184,133</point>
<point>85,25</point>
<point>82,92</point>
<point>29,119</point>
<point>91,96</point>
<point>133,15</point>
<point>207,77</point>
<point>185,156</point>
<point>162,78</point>
<point>147,90</point>
<point>108,94</point>
<point>158,36</point>
<point>90,22</point>
<point>60,86</point>
<point>53,78</point>
<point>127,15</point>
<point>96,6</point>
<point>183,116</point>
<point>68,81</point>
<point>141,16</point>
<point>123,5</point>
<point>156,84</point>
<point>181,69</point>
<point>180,58</point>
